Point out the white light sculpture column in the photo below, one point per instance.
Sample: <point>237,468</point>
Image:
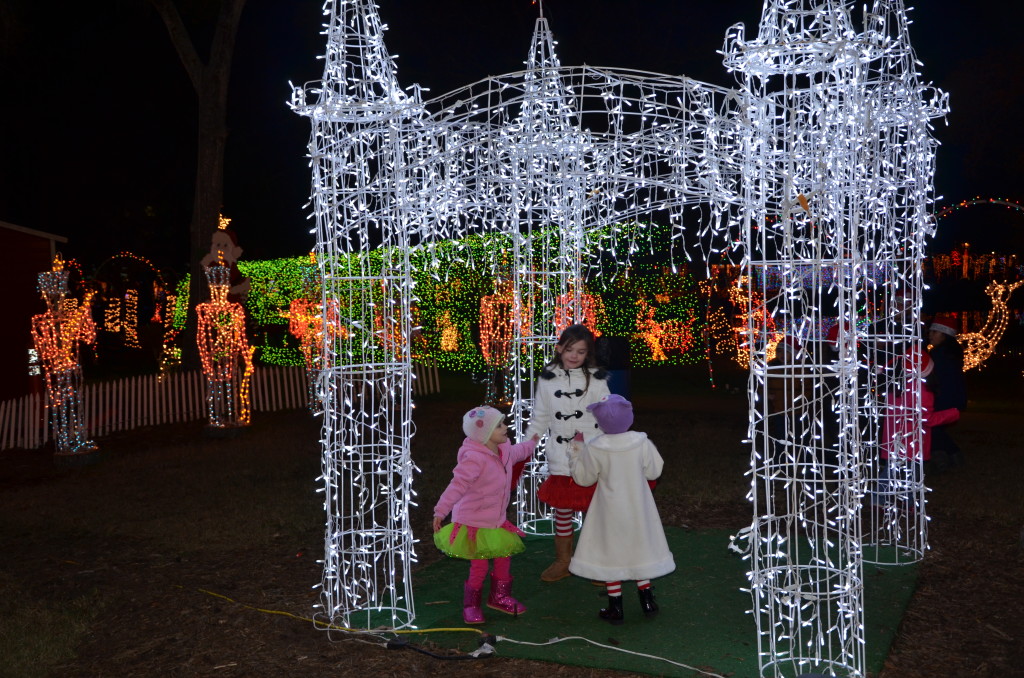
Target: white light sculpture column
<point>363,129</point>
<point>548,155</point>
<point>831,217</point>
<point>900,158</point>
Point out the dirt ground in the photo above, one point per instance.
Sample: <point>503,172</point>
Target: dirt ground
<point>225,613</point>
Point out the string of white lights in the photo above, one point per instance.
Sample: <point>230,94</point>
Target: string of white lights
<point>816,174</point>
<point>837,187</point>
<point>364,158</point>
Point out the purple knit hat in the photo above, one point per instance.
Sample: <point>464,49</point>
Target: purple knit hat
<point>479,423</point>
<point>614,414</point>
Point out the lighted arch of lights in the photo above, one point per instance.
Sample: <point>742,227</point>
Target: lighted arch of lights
<point>822,157</point>
<point>121,311</point>
<point>948,210</point>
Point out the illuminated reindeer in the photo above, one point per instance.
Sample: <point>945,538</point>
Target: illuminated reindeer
<point>662,336</point>
<point>978,346</point>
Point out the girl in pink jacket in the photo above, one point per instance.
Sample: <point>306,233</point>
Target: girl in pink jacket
<point>477,498</point>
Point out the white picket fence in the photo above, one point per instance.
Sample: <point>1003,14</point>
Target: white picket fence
<point>147,400</point>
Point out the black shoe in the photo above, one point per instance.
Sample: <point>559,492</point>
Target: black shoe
<point>613,613</point>
<point>647,604</point>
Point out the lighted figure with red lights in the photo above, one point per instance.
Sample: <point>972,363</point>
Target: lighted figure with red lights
<point>567,385</point>
<point>590,310</point>
<point>477,497</point>
<point>57,335</point>
<point>225,353</point>
<point>498,324</point>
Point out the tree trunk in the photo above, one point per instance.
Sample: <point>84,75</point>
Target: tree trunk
<point>210,81</point>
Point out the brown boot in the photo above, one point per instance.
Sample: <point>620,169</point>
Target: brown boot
<point>563,554</point>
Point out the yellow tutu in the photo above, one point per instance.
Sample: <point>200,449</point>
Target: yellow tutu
<point>486,543</point>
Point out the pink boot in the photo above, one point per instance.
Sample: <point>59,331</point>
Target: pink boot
<point>471,612</point>
<point>501,598</point>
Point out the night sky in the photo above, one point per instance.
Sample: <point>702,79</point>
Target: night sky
<point>98,114</point>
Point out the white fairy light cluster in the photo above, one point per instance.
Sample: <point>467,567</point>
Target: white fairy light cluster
<point>837,179</point>
<point>544,155</point>
<point>550,155</point>
<point>363,149</point>
<point>817,171</point>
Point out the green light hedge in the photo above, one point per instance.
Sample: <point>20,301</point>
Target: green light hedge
<point>451,277</point>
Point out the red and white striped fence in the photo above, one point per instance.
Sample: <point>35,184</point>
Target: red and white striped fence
<point>147,400</point>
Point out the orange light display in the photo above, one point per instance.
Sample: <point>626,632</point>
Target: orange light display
<point>306,323</point>
<point>498,322</point>
<point>661,336</point>
<point>387,324</point>
<point>58,334</point>
<point>743,297</point>
<point>449,332</point>
<point>589,312</point>
<point>225,354</point>
<point>978,346</point>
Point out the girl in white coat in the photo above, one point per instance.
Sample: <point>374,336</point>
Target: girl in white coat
<point>622,537</point>
<point>567,385</point>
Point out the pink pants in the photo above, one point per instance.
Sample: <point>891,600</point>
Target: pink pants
<point>478,571</point>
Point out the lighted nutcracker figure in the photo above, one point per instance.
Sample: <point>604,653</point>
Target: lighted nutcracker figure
<point>497,327</point>
<point>57,335</point>
<point>225,353</point>
<point>308,322</point>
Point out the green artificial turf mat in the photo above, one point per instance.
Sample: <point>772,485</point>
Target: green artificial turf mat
<point>703,621</point>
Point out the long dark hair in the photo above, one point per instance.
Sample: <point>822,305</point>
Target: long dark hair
<point>569,336</point>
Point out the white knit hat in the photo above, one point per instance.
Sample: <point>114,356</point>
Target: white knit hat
<point>479,423</point>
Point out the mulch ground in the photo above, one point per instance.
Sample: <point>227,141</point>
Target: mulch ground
<point>167,614</point>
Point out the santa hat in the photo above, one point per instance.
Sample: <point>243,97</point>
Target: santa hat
<point>479,423</point>
<point>944,323</point>
<point>614,414</point>
<point>833,335</point>
<point>915,359</point>
<point>790,346</point>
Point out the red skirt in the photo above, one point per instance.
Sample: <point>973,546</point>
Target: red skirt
<point>563,492</point>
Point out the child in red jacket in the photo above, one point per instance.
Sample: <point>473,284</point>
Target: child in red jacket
<point>899,444</point>
<point>477,498</point>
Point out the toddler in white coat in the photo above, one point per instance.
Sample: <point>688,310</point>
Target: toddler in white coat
<point>622,537</point>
